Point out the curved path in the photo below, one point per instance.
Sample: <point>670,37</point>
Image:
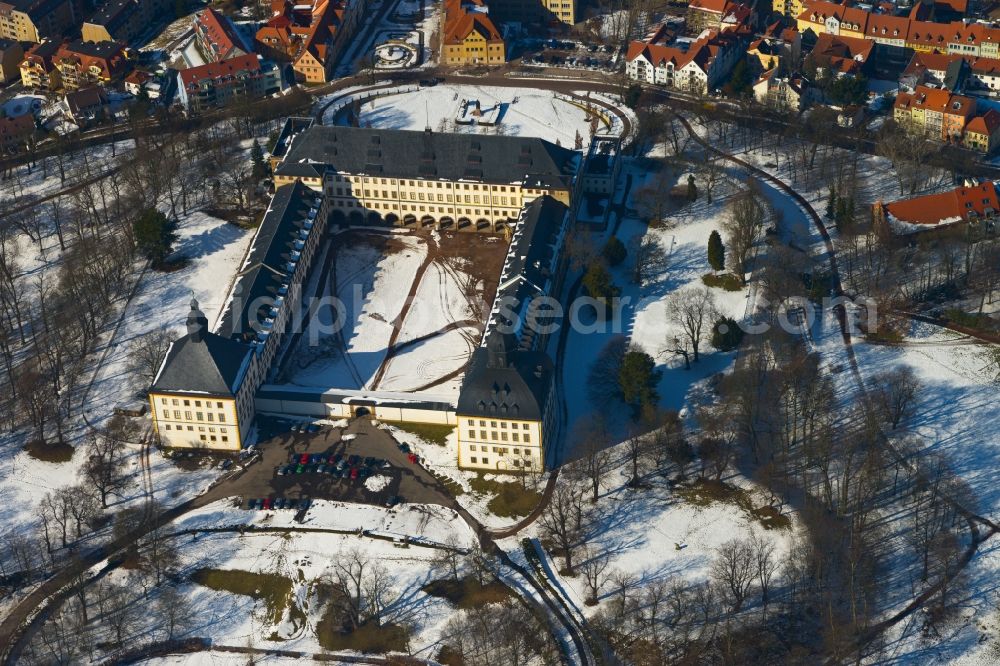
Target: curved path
<point>974,521</point>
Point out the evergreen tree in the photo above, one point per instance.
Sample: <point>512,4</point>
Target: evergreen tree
<point>831,203</point>
<point>257,159</point>
<point>597,282</point>
<point>637,379</point>
<point>155,235</point>
<point>692,193</point>
<point>614,251</point>
<point>716,251</point>
<point>726,334</point>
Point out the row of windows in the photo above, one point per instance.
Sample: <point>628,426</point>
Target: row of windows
<point>423,183</point>
<point>486,461</point>
<point>187,403</point>
<point>502,450</point>
<point>204,438</point>
<point>198,416</point>
<point>514,436</point>
<point>493,424</point>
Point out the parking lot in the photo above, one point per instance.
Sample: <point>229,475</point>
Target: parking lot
<point>402,479</point>
<point>573,55</point>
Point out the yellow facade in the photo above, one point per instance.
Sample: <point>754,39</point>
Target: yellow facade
<point>19,26</point>
<point>34,76</point>
<point>474,49</point>
<point>479,203</point>
<point>196,421</point>
<point>500,444</point>
<point>310,69</point>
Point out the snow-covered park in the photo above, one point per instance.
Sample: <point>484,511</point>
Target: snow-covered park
<point>523,112</point>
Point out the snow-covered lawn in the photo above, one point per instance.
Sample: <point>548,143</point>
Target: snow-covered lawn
<point>526,112</point>
<point>372,284</point>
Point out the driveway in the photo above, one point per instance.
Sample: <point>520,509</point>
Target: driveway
<point>260,479</point>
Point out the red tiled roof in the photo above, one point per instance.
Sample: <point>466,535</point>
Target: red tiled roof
<point>936,99</point>
<point>217,70</point>
<point>946,207</point>
<point>985,124</point>
<point>219,32</point>
<point>459,23</point>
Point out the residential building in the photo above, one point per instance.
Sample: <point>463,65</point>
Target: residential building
<point>203,394</point>
<point>17,133</point>
<point>11,55</point>
<point>86,105</point>
<point>38,69</point>
<point>136,81</point>
<point>35,20</point>
<point>900,32</point>
<point>973,205</point>
<point>125,20</point>
<point>418,179</point>
<point>310,36</point>
<point>469,36</point>
<point>777,48</point>
<point>837,55</point>
<point>982,134</point>
<point>221,84</point>
<point>716,15</point>
<point>82,64</point>
<point>506,409</point>
<point>953,71</point>
<point>695,67</point>
<point>937,113</point>
<point>216,38</point>
<point>785,93</point>
<point>549,13</point>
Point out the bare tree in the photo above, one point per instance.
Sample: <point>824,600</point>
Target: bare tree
<point>765,565</point>
<point>594,566</point>
<point>562,521</point>
<point>895,394</point>
<point>364,587</point>
<point>146,353</point>
<point>105,456</point>
<point>693,311</point>
<point>594,438</point>
<point>733,569</point>
<point>173,610</point>
<point>743,225</point>
<point>649,259</point>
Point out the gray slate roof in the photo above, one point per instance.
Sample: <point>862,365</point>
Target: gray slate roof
<point>532,257</point>
<point>516,388</point>
<point>429,155</point>
<point>264,271</point>
<point>214,365</point>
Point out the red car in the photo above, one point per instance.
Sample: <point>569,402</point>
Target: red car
<point>304,459</point>
<point>354,473</point>
<point>413,458</point>
<point>267,504</point>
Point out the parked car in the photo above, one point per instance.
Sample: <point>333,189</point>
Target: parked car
<point>266,506</point>
<point>370,461</point>
<point>321,468</point>
<point>312,427</point>
<point>335,458</point>
<point>226,464</point>
<point>384,464</point>
<point>354,473</point>
<point>283,470</point>
<point>304,503</point>
<point>304,459</point>
<point>252,503</point>
<point>412,458</point>
<point>353,460</point>
<point>345,472</point>
<point>404,447</point>
<point>300,468</point>
<point>393,501</point>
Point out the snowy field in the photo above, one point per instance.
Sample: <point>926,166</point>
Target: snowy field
<point>304,559</point>
<point>526,112</point>
<point>394,295</point>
